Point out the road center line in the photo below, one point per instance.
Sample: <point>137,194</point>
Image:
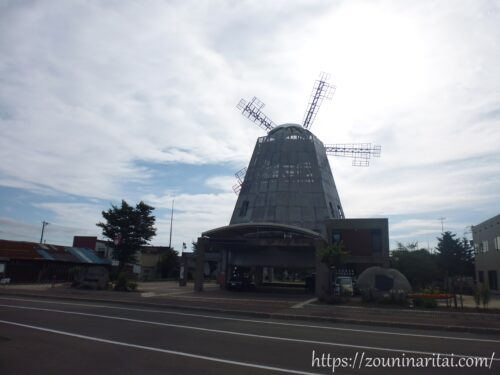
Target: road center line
<point>234,333</point>
<point>312,326</point>
<point>150,348</point>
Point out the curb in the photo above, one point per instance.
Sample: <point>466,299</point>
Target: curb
<point>268,315</point>
<point>378,310</point>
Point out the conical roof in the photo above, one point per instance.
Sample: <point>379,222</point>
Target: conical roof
<point>288,181</point>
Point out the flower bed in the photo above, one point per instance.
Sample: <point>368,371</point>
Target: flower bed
<point>431,295</point>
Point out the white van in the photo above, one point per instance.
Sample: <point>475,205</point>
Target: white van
<point>344,286</point>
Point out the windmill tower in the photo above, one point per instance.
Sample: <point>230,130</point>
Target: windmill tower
<point>289,180</point>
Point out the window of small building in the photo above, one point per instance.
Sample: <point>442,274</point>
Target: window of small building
<point>476,248</point>
<point>376,240</point>
<point>485,246</point>
<point>244,208</point>
<point>497,243</point>
<point>336,237</point>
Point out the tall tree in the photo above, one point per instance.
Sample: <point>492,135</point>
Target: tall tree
<point>454,256</point>
<point>469,257</point>
<point>128,228</point>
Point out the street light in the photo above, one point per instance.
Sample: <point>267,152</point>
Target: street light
<point>171,223</point>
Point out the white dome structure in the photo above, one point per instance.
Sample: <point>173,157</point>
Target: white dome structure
<point>383,280</point>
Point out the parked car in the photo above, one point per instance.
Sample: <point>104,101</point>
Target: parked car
<point>344,286</point>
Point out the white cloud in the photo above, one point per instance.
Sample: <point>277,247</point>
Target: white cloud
<point>20,231</point>
<point>83,216</point>
<point>223,183</point>
<point>193,214</point>
<point>54,233</point>
<point>92,90</point>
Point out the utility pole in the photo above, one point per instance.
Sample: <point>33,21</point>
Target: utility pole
<point>171,222</point>
<point>44,223</point>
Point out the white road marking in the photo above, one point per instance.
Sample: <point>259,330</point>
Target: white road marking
<point>171,294</point>
<point>234,333</point>
<point>173,352</point>
<point>155,294</point>
<point>302,304</point>
<point>260,321</point>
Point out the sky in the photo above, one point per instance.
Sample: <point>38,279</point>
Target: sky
<point>108,100</point>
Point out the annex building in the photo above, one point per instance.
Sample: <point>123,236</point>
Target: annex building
<point>486,236</point>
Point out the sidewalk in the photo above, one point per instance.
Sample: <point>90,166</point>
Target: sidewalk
<point>271,303</point>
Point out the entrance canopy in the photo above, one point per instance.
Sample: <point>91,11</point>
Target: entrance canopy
<point>264,244</point>
<point>262,230</point>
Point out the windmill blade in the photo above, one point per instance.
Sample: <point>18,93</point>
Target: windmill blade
<point>354,150</point>
<point>252,110</point>
<point>237,188</point>
<point>360,163</point>
<point>321,90</point>
<point>361,152</point>
<point>240,175</point>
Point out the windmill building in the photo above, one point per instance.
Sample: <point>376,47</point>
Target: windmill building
<point>288,181</point>
<point>288,205</point>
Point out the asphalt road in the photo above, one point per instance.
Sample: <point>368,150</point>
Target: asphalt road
<point>53,337</point>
